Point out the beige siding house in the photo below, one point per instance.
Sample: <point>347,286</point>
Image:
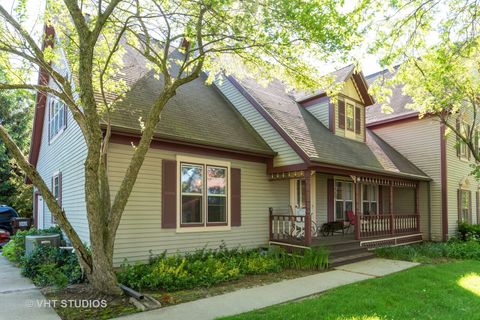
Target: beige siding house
<point>424,143</point>
<point>240,164</point>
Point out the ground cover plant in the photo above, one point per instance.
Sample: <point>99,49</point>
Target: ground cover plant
<point>433,291</point>
<point>205,268</point>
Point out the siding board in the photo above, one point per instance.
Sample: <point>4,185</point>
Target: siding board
<point>140,228</point>
<point>286,155</point>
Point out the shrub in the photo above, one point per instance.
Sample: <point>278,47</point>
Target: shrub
<point>14,250</point>
<point>468,232</point>
<point>204,268</point>
<point>48,266</point>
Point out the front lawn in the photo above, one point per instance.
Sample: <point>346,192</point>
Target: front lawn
<point>435,291</point>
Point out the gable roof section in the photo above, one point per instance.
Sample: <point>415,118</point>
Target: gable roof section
<point>197,114</point>
<point>341,75</point>
<point>398,102</point>
<point>319,144</point>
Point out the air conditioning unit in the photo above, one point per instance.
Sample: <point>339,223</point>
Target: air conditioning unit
<point>42,240</point>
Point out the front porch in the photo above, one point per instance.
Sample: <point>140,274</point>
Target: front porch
<point>327,209</point>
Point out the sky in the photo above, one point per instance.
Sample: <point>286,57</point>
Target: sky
<point>369,63</point>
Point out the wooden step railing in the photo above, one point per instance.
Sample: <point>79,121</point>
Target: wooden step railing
<point>386,225</point>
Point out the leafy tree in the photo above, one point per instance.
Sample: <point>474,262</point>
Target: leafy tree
<point>180,39</point>
<point>16,116</point>
<point>436,44</point>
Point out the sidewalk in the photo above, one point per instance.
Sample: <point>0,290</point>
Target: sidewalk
<point>263,296</point>
<point>19,298</point>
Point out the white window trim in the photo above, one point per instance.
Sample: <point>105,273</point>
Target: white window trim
<point>369,201</point>
<point>344,180</point>
<point>62,129</point>
<point>352,134</point>
<point>205,162</point>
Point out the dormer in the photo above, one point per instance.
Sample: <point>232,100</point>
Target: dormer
<point>344,115</point>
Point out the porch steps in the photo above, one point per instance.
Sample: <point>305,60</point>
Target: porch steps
<point>347,252</point>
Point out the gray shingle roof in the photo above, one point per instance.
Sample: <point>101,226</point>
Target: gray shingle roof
<point>320,144</point>
<point>398,100</point>
<point>340,75</point>
<point>196,114</point>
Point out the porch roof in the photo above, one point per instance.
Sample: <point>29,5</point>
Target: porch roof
<point>322,146</point>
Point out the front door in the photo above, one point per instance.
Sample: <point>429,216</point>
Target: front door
<point>39,214</point>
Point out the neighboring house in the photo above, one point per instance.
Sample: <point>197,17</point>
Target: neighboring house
<point>454,192</point>
<point>224,154</point>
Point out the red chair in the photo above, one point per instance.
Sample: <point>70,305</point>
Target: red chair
<point>351,219</point>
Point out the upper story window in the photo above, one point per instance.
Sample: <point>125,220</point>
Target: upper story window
<point>343,199</point>
<point>464,205</point>
<point>57,117</point>
<point>203,195</point>
<point>349,117</point>
<point>57,189</point>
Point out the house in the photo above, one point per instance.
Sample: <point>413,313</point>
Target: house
<point>240,164</point>
<point>454,193</point>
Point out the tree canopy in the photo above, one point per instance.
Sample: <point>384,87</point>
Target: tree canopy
<point>83,56</point>
<point>433,48</point>
<point>16,110</point>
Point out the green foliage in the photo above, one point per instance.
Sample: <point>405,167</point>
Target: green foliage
<point>204,268</point>
<point>433,49</point>
<point>468,232</point>
<point>16,115</point>
<point>14,250</point>
<point>433,251</point>
<point>309,259</point>
<point>201,268</point>
<point>48,266</point>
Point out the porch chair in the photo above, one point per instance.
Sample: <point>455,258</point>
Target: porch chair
<point>351,220</point>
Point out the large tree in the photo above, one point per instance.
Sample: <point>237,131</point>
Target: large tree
<point>16,116</point>
<point>433,47</point>
<point>180,39</point>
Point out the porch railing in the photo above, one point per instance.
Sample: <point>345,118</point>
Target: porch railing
<point>386,225</point>
<point>287,228</point>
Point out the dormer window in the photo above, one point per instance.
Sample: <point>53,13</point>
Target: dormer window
<point>57,118</point>
<point>350,117</point>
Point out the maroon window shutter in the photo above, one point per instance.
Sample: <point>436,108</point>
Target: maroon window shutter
<point>169,194</point>
<point>331,117</point>
<point>341,114</point>
<point>358,118</point>
<point>235,197</point>
<point>330,200</point>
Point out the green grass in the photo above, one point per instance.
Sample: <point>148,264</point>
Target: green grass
<point>435,291</point>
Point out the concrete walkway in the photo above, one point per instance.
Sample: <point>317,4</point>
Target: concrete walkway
<point>250,299</point>
<point>19,298</point>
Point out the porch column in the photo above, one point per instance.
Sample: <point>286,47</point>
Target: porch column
<point>308,215</point>
<point>358,190</point>
<point>392,222</point>
<point>417,206</point>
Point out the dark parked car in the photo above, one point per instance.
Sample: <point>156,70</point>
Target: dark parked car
<point>6,215</point>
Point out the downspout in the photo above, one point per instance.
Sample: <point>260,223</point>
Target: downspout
<point>429,211</point>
